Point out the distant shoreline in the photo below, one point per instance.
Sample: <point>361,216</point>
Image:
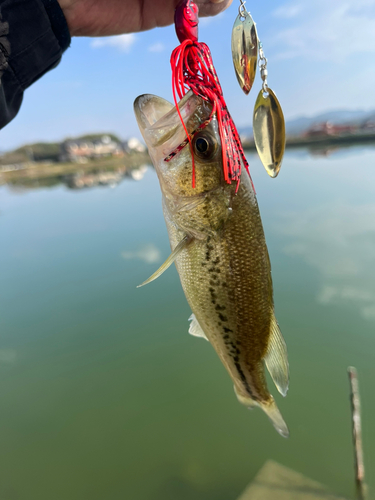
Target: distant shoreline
<point>38,174</point>
<point>320,142</point>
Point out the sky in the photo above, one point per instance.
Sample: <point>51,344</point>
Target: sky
<point>321,56</point>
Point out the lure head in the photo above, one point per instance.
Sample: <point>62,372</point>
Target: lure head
<point>165,136</point>
<point>186,21</point>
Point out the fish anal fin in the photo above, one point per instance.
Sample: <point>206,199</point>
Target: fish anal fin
<point>183,244</point>
<point>195,328</point>
<point>276,358</point>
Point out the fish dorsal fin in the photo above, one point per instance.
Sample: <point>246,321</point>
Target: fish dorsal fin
<point>276,358</point>
<point>195,328</point>
<point>183,244</point>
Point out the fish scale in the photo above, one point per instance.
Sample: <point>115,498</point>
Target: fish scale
<point>233,303</point>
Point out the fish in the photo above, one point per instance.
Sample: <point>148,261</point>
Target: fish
<point>218,247</point>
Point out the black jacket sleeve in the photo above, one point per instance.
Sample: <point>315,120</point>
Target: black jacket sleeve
<point>33,36</point>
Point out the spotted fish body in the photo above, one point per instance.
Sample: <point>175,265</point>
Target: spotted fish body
<point>222,257</point>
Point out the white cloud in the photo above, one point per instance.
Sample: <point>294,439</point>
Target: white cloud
<point>287,11</point>
<point>364,300</point>
<point>157,47</point>
<point>328,238</point>
<point>148,253</point>
<point>8,356</point>
<point>338,241</point>
<point>206,21</point>
<point>120,42</point>
<point>333,31</point>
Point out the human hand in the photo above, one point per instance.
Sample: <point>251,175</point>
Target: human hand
<point>113,17</point>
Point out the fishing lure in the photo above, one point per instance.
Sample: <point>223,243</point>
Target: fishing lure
<point>268,118</point>
<point>193,70</point>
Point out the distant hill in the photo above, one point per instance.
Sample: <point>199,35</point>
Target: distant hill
<point>338,117</point>
<point>93,137</point>
<point>46,151</point>
<point>40,151</point>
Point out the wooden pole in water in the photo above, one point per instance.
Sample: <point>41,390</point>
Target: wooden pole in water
<point>357,434</point>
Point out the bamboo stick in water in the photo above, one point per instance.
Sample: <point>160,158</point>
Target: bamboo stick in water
<point>357,434</point>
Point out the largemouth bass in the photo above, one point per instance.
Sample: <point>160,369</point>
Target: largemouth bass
<point>219,248</point>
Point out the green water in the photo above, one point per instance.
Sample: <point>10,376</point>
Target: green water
<point>105,396</point>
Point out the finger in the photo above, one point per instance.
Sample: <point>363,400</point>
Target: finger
<point>212,7</point>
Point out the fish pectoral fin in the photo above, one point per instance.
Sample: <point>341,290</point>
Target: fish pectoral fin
<point>195,328</point>
<point>276,358</point>
<point>183,244</point>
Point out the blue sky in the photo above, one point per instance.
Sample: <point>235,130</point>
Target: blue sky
<point>321,56</point>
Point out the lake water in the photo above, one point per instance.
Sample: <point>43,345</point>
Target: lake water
<point>105,396</point>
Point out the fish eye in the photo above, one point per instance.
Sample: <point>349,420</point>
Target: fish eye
<point>204,146</point>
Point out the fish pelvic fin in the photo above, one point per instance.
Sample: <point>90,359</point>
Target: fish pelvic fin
<point>276,358</point>
<point>183,244</point>
<point>195,328</point>
<point>245,400</point>
<point>270,409</point>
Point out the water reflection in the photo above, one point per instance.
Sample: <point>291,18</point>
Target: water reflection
<point>101,382</point>
<point>149,253</point>
<point>335,236</point>
<point>81,179</point>
<point>8,356</point>
<point>327,151</point>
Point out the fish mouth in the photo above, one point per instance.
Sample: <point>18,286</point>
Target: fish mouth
<point>149,109</point>
<point>160,123</point>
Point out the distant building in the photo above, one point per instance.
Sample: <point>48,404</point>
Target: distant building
<point>82,150</point>
<point>368,126</point>
<point>329,129</point>
<point>133,144</point>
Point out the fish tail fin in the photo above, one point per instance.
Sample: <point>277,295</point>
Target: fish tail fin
<point>270,409</point>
